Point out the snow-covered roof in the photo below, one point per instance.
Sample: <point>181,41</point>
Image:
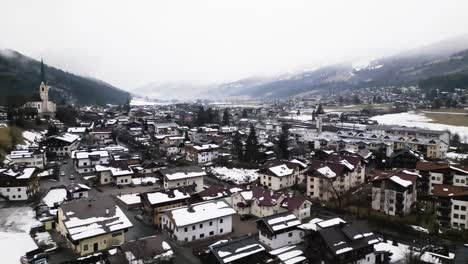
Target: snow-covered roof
<point>55,196</point>
<point>182,173</point>
<point>281,170</point>
<point>67,137</point>
<point>114,171</point>
<point>76,130</point>
<point>166,196</point>
<point>289,254</point>
<point>200,212</point>
<point>236,249</point>
<point>86,154</point>
<point>330,222</point>
<point>282,221</point>
<point>400,181</point>
<point>327,172</point>
<point>25,173</point>
<point>89,218</point>
<point>206,147</point>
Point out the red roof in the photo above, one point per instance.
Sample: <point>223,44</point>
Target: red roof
<point>445,190</point>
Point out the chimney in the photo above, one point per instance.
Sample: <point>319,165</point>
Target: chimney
<point>107,211</point>
<point>290,194</point>
<point>248,187</point>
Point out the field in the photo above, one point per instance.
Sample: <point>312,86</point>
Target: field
<point>448,119</point>
<point>358,107</point>
<point>9,136</point>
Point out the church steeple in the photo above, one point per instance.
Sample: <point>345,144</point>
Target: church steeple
<point>43,76</point>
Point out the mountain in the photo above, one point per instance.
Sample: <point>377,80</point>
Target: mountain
<point>19,77</point>
<point>403,69</point>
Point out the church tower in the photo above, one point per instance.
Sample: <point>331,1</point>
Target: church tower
<point>43,88</point>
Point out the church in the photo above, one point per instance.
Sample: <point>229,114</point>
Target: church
<point>44,107</point>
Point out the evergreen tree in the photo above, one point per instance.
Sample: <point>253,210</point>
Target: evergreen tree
<point>226,117</point>
<point>216,117</point>
<point>283,142</point>
<point>201,116</point>
<point>237,144</point>
<point>209,116</point>
<point>251,152</point>
<point>52,131</point>
<point>298,112</point>
<point>245,114</point>
<point>313,115</point>
<point>320,110</point>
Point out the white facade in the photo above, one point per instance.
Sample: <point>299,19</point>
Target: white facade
<point>16,193</point>
<point>85,161</point>
<point>28,158</point>
<point>44,107</point>
<point>459,214</point>
<point>287,238</point>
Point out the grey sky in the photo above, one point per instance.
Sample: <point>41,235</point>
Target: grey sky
<point>131,43</point>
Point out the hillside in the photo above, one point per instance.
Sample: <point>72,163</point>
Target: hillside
<point>19,78</point>
<point>404,69</point>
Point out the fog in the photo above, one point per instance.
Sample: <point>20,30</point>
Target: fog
<point>132,43</point>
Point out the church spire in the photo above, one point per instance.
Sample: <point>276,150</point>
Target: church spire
<point>43,76</point>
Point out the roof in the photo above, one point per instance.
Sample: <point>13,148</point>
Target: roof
<point>87,218</point>
<point>348,237</point>
<point>67,137</point>
<point>87,154</point>
<point>200,212</point>
<point>403,178</point>
<point>182,172</point>
<point>293,202</point>
<point>279,168</point>
<point>215,192</point>
<point>77,187</point>
<point>22,173</point>
<point>145,248</point>
<point>281,221</point>
<point>114,171</point>
<point>446,190</point>
<point>206,147</point>
<point>290,254</point>
<point>169,195</point>
<point>264,196</point>
<point>76,130</point>
<point>236,249</point>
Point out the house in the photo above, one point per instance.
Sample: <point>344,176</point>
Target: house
<point>143,249</point>
<point>298,205</point>
<point>61,145</point>
<point>441,173</point>
<point>92,225</point>
<point>152,166</point>
<point>335,176</point>
<point>18,184</point>
<point>85,161</point>
<point>32,157</point>
<point>199,221</point>
<point>297,254</point>
<point>219,192</point>
<point>280,230</point>
<point>101,134</point>
<point>451,206</point>
<point>156,202</point>
<point>241,250</point>
<point>80,131</point>
<point>347,243</point>
<point>77,190</point>
<point>54,198</point>
<point>405,158</point>
<point>279,174</point>
<point>394,193</point>
<point>202,154</point>
<point>115,175</point>
<point>183,176</point>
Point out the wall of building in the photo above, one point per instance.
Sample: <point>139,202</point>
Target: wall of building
<point>168,184</point>
<point>280,240</point>
<point>219,226</point>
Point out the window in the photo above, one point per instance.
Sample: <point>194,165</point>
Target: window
<point>211,223</point>
<point>85,247</point>
<point>105,241</point>
<point>456,207</point>
<point>185,229</point>
<point>463,208</point>
<point>211,233</point>
<point>19,196</point>
<point>193,227</point>
<point>290,234</point>
<point>202,235</point>
<point>220,230</point>
<point>221,220</point>
<point>201,225</point>
<point>462,217</point>
<point>186,239</point>
<point>14,196</point>
<point>455,216</point>
<point>19,189</point>
<point>8,189</point>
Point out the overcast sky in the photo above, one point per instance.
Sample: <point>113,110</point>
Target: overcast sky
<point>131,43</point>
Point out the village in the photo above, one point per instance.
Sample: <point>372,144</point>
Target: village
<point>245,182</point>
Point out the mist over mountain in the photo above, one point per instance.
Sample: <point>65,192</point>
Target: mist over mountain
<point>19,77</point>
<point>405,68</point>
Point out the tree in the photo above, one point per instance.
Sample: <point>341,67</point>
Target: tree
<point>209,116</point>
<point>456,139</point>
<point>216,117</point>
<point>313,115</point>
<point>298,112</point>
<point>201,116</point>
<point>251,152</point>
<point>245,114</point>
<point>356,100</point>
<point>283,142</point>
<point>52,130</point>
<point>237,144</point>
<point>226,117</point>
<point>448,102</point>
<point>320,110</point>
<point>436,104</point>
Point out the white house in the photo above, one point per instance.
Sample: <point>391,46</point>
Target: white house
<point>183,176</point>
<point>118,176</point>
<point>198,221</point>
<point>86,160</point>
<point>394,193</point>
<point>202,154</point>
<point>78,190</point>
<point>18,184</point>
<point>29,158</point>
<point>280,230</point>
<point>451,206</point>
<point>279,174</point>
<point>62,145</point>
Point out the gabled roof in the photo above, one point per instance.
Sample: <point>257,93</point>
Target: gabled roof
<point>188,215</point>
<point>169,195</point>
<point>236,249</point>
<point>21,173</point>
<point>182,172</point>
<point>278,222</point>
<point>293,202</point>
<point>264,196</point>
<point>215,192</point>
<point>446,190</point>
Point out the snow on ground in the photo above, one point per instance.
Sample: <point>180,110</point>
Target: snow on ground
<point>139,181</point>
<point>458,156</point>
<point>141,101</point>
<point>238,176</point>
<point>32,137</point>
<point>15,224</point>
<point>14,245</point>
<point>129,199</point>
<point>412,119</point>
<point>399,252</point>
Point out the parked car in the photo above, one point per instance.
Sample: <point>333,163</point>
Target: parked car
<point>62,173</point>
<point>72,177</point>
